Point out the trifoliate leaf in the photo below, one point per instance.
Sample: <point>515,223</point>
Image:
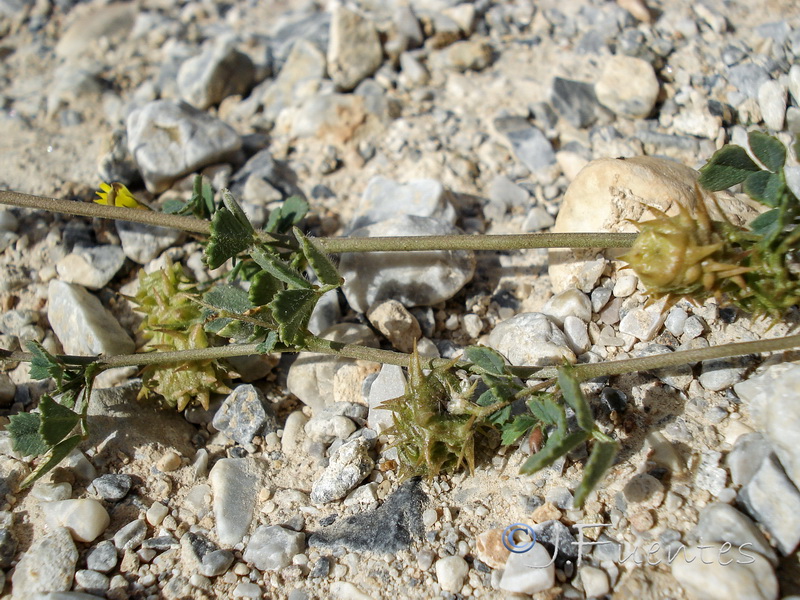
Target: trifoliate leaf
<point>44,365</point>
<point>292,310</point>
<point>57,420</point>
<point>600,460</point>
<point>517,428</point>
<point>769,150</point>
<point>25,436</point>
<point>557,445</point>
<point>263,288</point>
<point>268,345</point>
<point>290,213</point>
<point>55,456</point>
<point>764,187</point>
<point>571,389</point>
<point>728,166</point>
<point>486,360</point>
<point>273,265</point>
<point>322,265</point>
<point>229,237</point>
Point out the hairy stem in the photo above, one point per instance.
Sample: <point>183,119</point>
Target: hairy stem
<point>323,346</point>
<point>332,245</point>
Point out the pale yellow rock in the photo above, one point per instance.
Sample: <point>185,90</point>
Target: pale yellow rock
<point>85,519</point>
<point>394,321</point>
<point>609,191</point>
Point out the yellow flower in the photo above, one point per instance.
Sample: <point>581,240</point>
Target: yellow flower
<point>117,194</point>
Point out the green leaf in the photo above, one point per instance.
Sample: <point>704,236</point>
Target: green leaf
<point>764,187</point>
<point>517,428</point>
<point>548,411</point>
<point>57,420</point>
<point>766,224</point>
<point>600,460</point>
<point>322,265</point>
<point>557,445</point>
<point>44,365</point>
<point>202,200</point>
<point>290,213</point>
<point>292,310</point>
<point>273,265</point>
<point>487,360</point>
<point>173,206</point>
<point>769,150</point>
<point>56,455</point>
<point>229,237</point>
<point>728,166</point>
<point>229,298</point>
<point>573,396</point>
<point>263,288</point>
<point>25,436</point>
<point>230,203</point>
<point>268,345</point>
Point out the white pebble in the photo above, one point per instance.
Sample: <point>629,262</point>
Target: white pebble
<point>451,572</point>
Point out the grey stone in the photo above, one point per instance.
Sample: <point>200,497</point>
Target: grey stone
<point>408,27</point>
<point>326,427</point>
<point>82,324</point>
<point>643,323</point>
<point>747,78</point>
<point>91,581</point>
<point>722,373</point>
<point>354,48</point>
<point>384,199</point>
<point>558,540</point>
<point>304,63</point>
<point>245,414</point>
<point>91,267</point>
<point>142,243</point>
<point>723,573</point>
<point>112,486</point>
<point>8,547</point>
<point>348,467</point>
<point>465,55</point>
<point>772,499</point>
<point>772,101</point>
<point>504,191</point>
<point>131,535</point>
<point>628,87</point>
<point>236,483</point>
<point>272,547</point>
<point>529,144</point>
<point>537,219</point>
<point>261,172</point>
<point>720,523</point>
<point>709,475</point>
<point>48,565</point>
<point>102,557</point>
<point>531,339</point>
<point>575,101</point>
<point>411,278</point>
<point>169,139</point>
<point>216,73</point>
<point>201,555</point>
<point>390,528</point>
<point>570,302</point>
<point>747,456</point>
<point>676,321</point>
<point>577,335</point>
<point>600,297</point>
<point>390,383</point>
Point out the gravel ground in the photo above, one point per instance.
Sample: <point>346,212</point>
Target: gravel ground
<point>426,116</point>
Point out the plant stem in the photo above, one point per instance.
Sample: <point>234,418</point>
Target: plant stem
<point>356,351</point>
<point>332,245</point>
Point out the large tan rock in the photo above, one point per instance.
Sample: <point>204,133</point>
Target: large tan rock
<point>609,191</point>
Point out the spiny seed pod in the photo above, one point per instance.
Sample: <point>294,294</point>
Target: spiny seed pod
<point>173,322</point>
<point>688,255</point>
<point>435,426</point>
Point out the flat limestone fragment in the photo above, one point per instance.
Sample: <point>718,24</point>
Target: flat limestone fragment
<point>82,324</point>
